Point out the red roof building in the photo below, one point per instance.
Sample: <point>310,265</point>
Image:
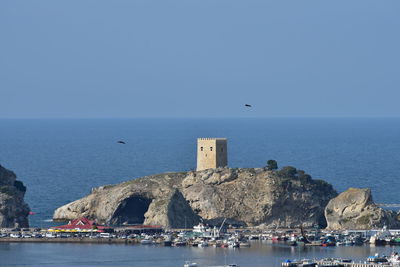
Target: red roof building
<point>82,224</point>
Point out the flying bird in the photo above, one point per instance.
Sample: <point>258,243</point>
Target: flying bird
<point>247,105</point>
<point>121,142</point>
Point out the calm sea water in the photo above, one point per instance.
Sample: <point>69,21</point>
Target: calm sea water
<point>258,255</point>
<point>61,160</point>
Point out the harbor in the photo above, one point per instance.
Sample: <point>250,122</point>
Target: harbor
<point>202,235</point>
<point>297,248</point>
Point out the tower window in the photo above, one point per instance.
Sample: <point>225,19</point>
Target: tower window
<point>211,148</point>
<point>201,148</point>
<point>222,149</point>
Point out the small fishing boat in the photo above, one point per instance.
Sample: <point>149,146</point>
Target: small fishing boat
<point>377,259</point>
<point>179,243</point>
<point>190,264</point>
<point>233,244</point>
<point>244,244</point>
<point>203,244</point>
<point>146,241</point>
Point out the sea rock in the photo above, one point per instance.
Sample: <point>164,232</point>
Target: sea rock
<point>13,210</point>
<point>355,209</point>
<point>244,196</point>
<point>172,211</point>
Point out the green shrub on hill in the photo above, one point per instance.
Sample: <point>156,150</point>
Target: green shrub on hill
<point>5,189</point>
<point>20,186</point>
<point>287,172</point>
<point>272,165</point>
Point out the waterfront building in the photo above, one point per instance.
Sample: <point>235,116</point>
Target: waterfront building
<point>82,225</point>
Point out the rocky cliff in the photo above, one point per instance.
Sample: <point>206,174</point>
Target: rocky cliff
<point>13,210</point>
<point>355,209</point>
<point>248,196</point>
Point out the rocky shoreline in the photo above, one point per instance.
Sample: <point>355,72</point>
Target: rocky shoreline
<point>13,209</point>
<point>287,198</point>
<point>245,197</point>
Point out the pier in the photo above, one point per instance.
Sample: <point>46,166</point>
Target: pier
<point>351,264</point>
<point>325,263</point>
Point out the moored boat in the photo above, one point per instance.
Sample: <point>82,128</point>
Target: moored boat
<point>146,242</point>
<point>167,243</point>
<point>377,259</point>
<point>244,244</point>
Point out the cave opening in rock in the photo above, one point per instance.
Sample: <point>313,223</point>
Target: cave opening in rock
<point>131,211</point>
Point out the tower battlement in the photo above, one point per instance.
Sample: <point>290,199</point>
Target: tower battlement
<point>212,153</point>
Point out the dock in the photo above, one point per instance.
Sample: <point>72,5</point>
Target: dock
<point>322,263</point>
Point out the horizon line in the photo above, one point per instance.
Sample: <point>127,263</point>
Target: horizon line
<point>195,117</point>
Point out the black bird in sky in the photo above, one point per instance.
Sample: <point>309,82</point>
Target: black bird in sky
<point>121,142</point>
<point>247,105</point>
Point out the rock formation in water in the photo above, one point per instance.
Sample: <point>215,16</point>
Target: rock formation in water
<point>245,196</point>
<point>355,209</point>
<point>13,210</point>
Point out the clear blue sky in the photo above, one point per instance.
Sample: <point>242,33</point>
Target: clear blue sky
<point>196,58</point>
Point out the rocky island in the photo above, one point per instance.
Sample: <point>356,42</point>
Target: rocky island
<point>285,198</point>
<point>13,209</point>
<point>266,197</point>
<point>355,209</point>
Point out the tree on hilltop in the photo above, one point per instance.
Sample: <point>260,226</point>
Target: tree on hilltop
<point>288,172</point>
<point>303,176</point>
<point>272,165</point>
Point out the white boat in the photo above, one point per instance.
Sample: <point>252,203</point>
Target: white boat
<point>146,241</point>
<point>233,244</point>
<point>190,264</point>
<point>206,231</point>
<point>244,244</point>
<point>203,244</point>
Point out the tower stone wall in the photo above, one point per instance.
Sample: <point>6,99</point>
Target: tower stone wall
<point>212,153</point>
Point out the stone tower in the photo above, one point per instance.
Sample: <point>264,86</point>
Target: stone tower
<point>211,153</point>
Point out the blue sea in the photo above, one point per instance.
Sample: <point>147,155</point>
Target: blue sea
<point>260,254</point>
<point>61,160</point>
